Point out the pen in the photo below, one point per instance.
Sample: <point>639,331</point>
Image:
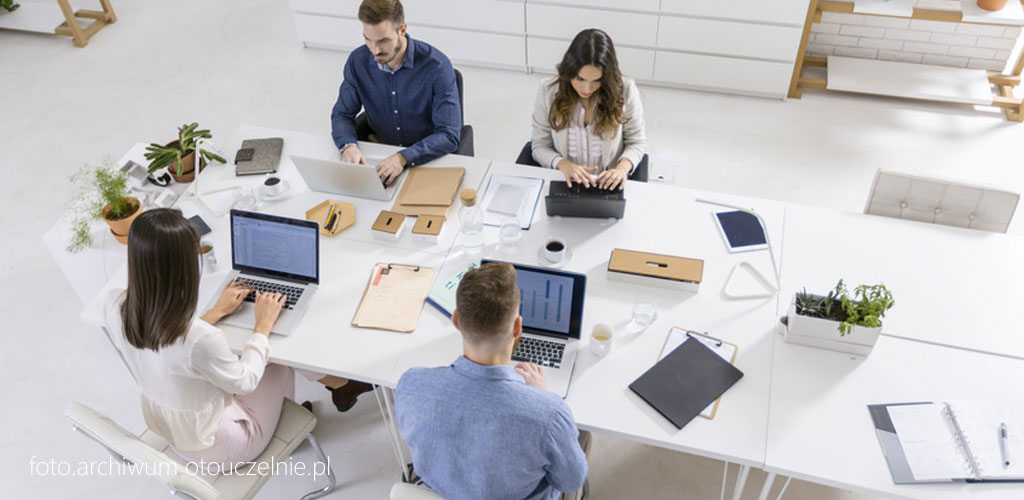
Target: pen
<point>330,212</point>
<point>1004,447</point>
<point>332,222</point>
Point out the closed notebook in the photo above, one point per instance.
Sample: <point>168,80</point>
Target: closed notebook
<point>428,191</point>
<point>685,382</point>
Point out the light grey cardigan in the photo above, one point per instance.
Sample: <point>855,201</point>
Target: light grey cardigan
<point>629,142</point>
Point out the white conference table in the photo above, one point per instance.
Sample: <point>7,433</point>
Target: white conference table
<point>952,286</point>
<point>820,429</point>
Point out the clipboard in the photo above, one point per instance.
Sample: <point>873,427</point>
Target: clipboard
<point>394,296</point>
<point>725,350</point>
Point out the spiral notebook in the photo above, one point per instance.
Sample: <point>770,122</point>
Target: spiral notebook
<point>943,442</point>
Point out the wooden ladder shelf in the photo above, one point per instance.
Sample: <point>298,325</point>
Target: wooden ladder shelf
<point>71,27</point>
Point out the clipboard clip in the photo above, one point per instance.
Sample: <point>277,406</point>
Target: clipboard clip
<point>415,269</point>
<point>718,341</point>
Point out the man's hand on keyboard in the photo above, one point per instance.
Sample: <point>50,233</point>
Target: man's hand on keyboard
<point>230,298</point>
<point>533,374</point>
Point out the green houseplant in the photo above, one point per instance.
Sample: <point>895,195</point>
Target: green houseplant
<point>9,5</point>
<point>100,192</point>
<point>814,319</point>
<point>178,156</point>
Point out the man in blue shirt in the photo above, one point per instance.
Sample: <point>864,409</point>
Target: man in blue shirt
<point>481,429</point>
<point>407,88</point>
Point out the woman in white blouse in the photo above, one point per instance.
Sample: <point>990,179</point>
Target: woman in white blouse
<point>588,119</point>
<point>210,404</point>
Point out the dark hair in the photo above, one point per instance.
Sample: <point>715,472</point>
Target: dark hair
<point>378,11</point>
<point>487,301</point>
<point>163,279</point>
<point>590,47</point>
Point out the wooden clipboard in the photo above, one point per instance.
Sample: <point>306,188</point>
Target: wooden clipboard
<point>394,297</point>
<point>717,345</point>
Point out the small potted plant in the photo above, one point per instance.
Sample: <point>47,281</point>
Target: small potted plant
<point>9,5</point>
<point>179,156</point>
<point>100,193</point>
<point>838,321</point>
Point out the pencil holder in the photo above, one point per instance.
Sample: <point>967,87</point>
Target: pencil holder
<point>333,216</point>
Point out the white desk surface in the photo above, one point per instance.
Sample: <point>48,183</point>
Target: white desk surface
<point>952,286</point>
<point>820,429</point>
<point>598,395</point>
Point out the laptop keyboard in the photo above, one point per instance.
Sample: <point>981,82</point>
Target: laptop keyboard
<point>579,191</point>
<point>292,293</point>
<point>539,352</point>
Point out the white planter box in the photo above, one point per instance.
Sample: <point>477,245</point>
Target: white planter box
<point>824,333</point>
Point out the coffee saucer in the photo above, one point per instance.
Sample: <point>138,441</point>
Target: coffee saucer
<point>542,260</point>
<point>286,188</point>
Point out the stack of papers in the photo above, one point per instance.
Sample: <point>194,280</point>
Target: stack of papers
<point>509,196</point>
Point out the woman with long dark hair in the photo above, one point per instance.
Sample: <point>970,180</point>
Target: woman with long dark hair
<point>588,119</point>
<point>209,403</point>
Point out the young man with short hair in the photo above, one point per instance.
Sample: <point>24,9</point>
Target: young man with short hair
<point>407,88</point>
<point>481,428</point>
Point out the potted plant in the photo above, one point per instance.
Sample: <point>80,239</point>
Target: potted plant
<point>838,321</point>
<point>179,155</point>
<point>993,5</point>
<point>100,193</point>
<point>9,5</point>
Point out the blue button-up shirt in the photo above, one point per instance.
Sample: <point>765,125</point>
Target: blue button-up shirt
<point>415,106</point>
<point>479,432</point>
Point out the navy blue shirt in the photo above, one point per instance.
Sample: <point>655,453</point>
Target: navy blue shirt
<point>479,432</point>
<point>415,106</point>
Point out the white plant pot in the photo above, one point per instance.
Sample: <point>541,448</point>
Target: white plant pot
<point>824,333</point>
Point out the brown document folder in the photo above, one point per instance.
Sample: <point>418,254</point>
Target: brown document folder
<point>429,191</point>
<point>394,297</point>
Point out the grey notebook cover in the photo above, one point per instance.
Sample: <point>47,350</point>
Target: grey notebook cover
<point>265,156</point>
<point>685,382</point>
<point>890,443</point>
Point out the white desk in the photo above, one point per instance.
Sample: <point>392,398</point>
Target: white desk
<point>952,286</point>
<point>820,430</point>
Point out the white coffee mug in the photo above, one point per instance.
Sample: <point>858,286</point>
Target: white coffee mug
<point>554,250</point>
<point>601,339</point>
<point>273,186</point>
<point>208,258</point>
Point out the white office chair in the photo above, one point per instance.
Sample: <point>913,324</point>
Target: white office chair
<point>941,201</point>
<point>148,453</point>
<point>406,491</point>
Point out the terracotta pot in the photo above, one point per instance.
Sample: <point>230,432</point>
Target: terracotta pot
<point>188,173</point>
<point>119,228</point>
<point>992,5</point>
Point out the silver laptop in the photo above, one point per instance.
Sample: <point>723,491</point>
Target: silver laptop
<point>334,176</point>
<point>551,304</point>
<point>274,254</point>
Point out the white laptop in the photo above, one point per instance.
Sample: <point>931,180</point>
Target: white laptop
<point>274,254</point>
<point>334,176</point>
<point>551,304</point>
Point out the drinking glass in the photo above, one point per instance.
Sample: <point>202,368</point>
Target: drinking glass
<point>510,233</point>
<point>645,312</point>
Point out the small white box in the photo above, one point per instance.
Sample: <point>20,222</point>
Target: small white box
<point>651,269</point>
<point>428,229</point>
<point>824,333</point>
<point>389,226</point>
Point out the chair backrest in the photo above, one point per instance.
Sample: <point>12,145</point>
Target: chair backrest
<point>462,103</point>
<point>405,491</point>
<point>941,201</point>
<point>146,459</point>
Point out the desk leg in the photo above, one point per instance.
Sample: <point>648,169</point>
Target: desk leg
<point>767,486</point>
<point>385,401</point>
<point>741,480</point>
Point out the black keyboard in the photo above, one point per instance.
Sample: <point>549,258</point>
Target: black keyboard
<point>560,189</point>
<point>291,293</point>
<point>539,352</point>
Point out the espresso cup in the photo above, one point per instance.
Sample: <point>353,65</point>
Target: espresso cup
<point>601,339</point>
<point>208,256</point>
<point>273,186</point>
<point>554,250</point>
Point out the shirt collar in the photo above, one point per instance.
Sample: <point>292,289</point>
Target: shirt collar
<point>408,62</point>
<point>464,366</point>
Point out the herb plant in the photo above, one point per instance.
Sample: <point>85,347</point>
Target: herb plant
<point>161,156</point>
<point>9,5</point>
<point>93,188</point>
<point>866,308</point>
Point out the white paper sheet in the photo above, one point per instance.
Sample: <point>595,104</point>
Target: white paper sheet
<point>929,442</point>
<point>511,196</point>
<point>508,200</point>
<point>979,422</point>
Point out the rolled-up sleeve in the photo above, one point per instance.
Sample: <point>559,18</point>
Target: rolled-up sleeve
<point>634,137</point>
<point>212,358</point>
<point>567,465</point>
<point>446,118</point>
<point>343,116</point>
<point>543,143</point>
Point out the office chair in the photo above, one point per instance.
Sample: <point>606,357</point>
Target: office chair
<point>148,453</point>
<point>363,129</point>
<point>640,173</point>
<point>941,201</point>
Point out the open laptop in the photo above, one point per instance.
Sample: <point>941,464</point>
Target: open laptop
<point>334,176</point>
<point>274,254</point>
<point>551,304</point>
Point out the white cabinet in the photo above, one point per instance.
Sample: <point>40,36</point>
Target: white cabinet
<point>787,12</point>
<point>478,49</point>
<point>328,31</point>
<point>634,5</point>
<point>744,76</point>
<point>729,38</point>
<point>564,23</point>
<point>345,8</point>
<point>495,16</point>
<point>545,54</point>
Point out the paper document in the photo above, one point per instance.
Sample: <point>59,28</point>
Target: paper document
<point>394,297</point>
<point>724,350</point>
<point>511,196</point>
<point>929,442</point>
<point>979,422</point>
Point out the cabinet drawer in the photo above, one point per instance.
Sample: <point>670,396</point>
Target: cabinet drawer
<point>332,31</point>
<point>641,5</point>
<point>724,73</point>
<point>478,15</point>
<point>468,47</point>
<point>792,12</point>
<point>729,38</point>
<point>546,54</point>
<point>565,22</point>
<point>347,8</point>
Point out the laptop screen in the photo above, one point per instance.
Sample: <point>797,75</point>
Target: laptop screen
<point>273,246</point>
<point>550,301</point>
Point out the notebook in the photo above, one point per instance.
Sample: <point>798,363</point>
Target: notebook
<point>443,295</point>
<point>511,196</point>
<point>394,297</point>
<point>941,442</point>
<point>428,191</point>
<point>685,382</point>
<point>724,350</point>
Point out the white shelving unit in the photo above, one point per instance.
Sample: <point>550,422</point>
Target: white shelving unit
<point>913,81</point>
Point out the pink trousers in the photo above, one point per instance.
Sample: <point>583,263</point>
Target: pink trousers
<point>248,424</point>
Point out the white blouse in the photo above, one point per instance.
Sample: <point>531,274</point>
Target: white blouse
<point>584,144</point>
<point>186,385</point>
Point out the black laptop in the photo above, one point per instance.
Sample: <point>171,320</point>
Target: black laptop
<point>579,201</point>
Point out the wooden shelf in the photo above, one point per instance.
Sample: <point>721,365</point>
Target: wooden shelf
<point>32,16</point>
<point>45,18</point>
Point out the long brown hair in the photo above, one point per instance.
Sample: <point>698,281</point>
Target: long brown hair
<point>163,279</point>
<point>590,47</point>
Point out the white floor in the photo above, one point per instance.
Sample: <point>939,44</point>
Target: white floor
<point>227,63</point>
